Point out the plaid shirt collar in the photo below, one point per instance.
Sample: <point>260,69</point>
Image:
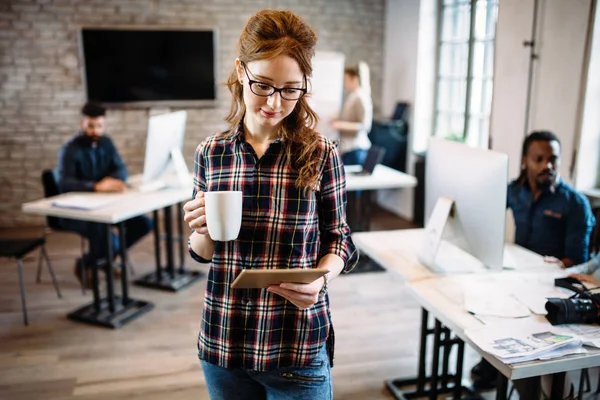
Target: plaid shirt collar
<point>238,136</point>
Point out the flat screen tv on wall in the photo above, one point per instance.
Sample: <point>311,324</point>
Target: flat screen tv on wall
<point>149,67</point>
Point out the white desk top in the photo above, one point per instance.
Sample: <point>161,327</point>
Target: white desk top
<point>129,204</point>
<point>593,193</point>
<point>383,177</point>
<point>396,250</point>
<point>452,314</point>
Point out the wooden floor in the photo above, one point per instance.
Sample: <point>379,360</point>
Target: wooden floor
<point>154,357</point>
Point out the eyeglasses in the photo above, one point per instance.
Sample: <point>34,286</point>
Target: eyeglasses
<point>266,90</point>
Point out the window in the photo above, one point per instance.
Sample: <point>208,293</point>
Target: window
<point>465,70</point>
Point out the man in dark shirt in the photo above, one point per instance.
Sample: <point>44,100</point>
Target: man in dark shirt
<point>551,218</point>
<point>90,162</point>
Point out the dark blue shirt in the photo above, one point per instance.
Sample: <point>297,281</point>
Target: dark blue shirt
<point>559,223</point>
<point>82,163</point>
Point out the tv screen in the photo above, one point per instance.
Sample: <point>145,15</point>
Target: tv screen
<point>145,67</point>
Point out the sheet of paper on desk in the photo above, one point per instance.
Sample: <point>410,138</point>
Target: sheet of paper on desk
<point>86,201</point>
<point>534,297</point>
<point>589,334</point>
<point>512,344</point>
<point>567,350</point>
<point>480,301</point>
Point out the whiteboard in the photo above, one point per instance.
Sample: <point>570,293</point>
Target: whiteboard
<point>326,89</point>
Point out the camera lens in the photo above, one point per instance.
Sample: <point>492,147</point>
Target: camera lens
<point>571,311</point>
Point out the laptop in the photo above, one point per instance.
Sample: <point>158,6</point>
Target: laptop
<point>374,157</point>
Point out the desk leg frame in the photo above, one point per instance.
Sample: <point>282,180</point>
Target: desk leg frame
<point>112,311</point>
<point>169,278</point>
<point>435,384</point>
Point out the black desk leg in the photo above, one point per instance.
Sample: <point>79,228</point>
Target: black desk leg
<point>168,277</point>
<point>95,285</point>
<point>558,386</point>
<point>182,241</point>
<point>124,263</point>
<point>112,311</point>
<point>501,387</point>
<point>435,365</point>
<point>528,388</point>
<point>108,269</point>
<point>446,357</point>
<point>169,241</point>
<point>436,384</point>
<point>460,354</point>
<point>422,377</point>
<point>157,258</point>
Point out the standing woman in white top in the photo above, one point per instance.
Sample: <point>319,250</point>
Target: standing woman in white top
<point>356,118</point>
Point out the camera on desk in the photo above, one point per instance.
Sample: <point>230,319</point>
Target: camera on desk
<point>581,308</point>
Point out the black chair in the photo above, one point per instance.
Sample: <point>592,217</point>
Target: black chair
<point>50,183</point>
<point>399,111</point>
<point>392,136</point>
<point>17,249</point>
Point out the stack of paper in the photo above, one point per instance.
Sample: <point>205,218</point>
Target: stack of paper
<point>589,334</point>
<point>517,346</point>
<point>86,201</point>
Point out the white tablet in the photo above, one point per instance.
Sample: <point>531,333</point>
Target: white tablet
<point>263,278</point>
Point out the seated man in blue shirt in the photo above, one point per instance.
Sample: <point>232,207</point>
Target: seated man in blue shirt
<point>90,162</point>
<point>551,218</point>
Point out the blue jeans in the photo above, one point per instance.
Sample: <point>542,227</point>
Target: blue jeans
<point>135,229</point>
<point>312,382</point>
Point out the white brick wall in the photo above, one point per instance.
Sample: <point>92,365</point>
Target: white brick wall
<point>41,89</point>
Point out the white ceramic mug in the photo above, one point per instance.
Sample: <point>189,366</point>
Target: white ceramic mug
<point>223,214</point>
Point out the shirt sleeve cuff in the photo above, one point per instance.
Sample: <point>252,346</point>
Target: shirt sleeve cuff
<point>197,258</point>
<point>89,185</point>
<point>350,258</point>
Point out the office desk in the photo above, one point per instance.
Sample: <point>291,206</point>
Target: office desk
<point>112,310</point>
<point>396,250</point>
<point>452,315</point>
<point>593,194</point>
<point>382,178</point>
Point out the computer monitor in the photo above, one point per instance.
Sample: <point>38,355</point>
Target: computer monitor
<point>165,138</point>
<point>374,156</point>
<point>475,180</point>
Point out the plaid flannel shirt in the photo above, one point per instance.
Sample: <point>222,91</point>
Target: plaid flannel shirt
<point>282,227</point>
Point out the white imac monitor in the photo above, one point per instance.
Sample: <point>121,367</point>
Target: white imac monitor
<point>164,145</point>
<point>475,180</point>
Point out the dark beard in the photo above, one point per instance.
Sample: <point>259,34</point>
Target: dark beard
<point>90,141</point>
<point>545,184</point>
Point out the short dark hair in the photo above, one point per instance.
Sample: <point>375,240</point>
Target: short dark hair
<point>536,136</point>
<point>352,71</point>
<point>93,110</point>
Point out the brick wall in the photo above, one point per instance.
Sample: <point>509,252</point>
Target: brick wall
<point>41,89</point>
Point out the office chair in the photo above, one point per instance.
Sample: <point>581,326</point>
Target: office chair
<point>399,111</point>
<point>17,249</point>
<point>50,183</point>
<point>392,136</point>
